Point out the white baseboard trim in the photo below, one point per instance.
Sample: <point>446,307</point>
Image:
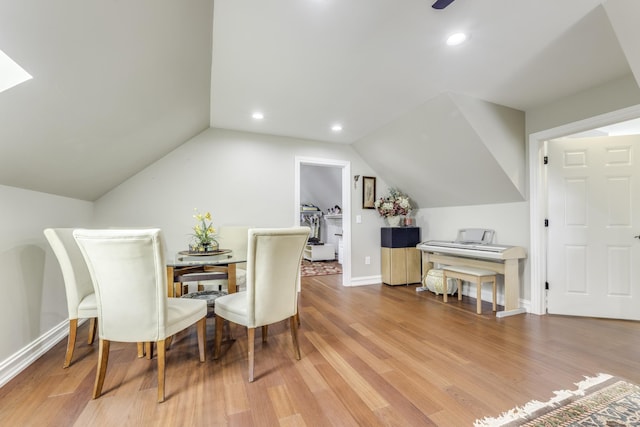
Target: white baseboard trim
<point>20,360</point>
<point>365,280</point>
<point>507,313</point>
<point>525,305</point>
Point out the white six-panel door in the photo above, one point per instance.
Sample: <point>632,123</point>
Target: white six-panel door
<point>594,213</point>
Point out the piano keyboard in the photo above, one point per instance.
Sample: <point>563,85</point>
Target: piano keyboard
<point>473,250</point>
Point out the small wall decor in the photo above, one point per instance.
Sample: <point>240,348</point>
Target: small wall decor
<point>368,192</point>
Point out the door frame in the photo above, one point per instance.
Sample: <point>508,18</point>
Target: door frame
<point>538,194</point>
<point>345,165</point>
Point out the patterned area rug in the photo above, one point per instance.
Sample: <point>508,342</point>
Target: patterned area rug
<point>600,401</point>
<point>320,268</point>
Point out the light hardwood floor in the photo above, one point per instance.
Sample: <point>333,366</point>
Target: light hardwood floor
<point>371,355</point>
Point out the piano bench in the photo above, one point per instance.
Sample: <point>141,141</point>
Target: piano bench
<point>474,275</point>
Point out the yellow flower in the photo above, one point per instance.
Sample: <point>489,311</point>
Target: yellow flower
<point>204,234</point>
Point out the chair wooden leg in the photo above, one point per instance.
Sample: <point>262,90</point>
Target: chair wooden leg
<point>228,331</point>
<point>495,292</point>
<point>92,330</point>
<point>202,338</point>
<point>148,349</point>
<point>265,332</point>
<point>294,336</point>
<point>445,296</point>
<point>140,350</point>
<point>218,340</point>
<point>251,334</point>
<point>103,360</point>
<point>71,342</point>
<point>161,363</point>
<point>459,284</point>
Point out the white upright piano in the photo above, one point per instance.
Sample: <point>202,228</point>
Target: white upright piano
<point>473,247</point>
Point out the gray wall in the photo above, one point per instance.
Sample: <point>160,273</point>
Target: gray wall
<point>321,186</point>
<point>611,96</point>
<point>241,178</point>
<point>33,301</point>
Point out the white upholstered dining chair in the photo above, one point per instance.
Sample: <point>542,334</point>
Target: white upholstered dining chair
<point>128,271</point>
<point>273,270</point>
<point>81,299</point>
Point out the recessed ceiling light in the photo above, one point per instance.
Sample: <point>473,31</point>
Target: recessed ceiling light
<point>456,39</point>
<point>336,128</point>
<point>258,115</point>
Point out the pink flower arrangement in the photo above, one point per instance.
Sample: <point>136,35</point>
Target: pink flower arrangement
<point>396,203</point>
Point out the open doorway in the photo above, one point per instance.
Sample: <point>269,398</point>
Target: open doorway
<point>344,168</point>
<point>539,194</point>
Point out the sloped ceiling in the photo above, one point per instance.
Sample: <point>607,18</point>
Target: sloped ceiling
<point>310,63</point>
<point>436,156</point>
<point>116,85</point>
<point>623,15</point>
<point>457,150</point>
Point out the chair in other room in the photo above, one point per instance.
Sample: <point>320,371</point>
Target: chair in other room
<point>81,299</point>
<point>128,271</point>
<point>216,278</point>
<point>273,271</point>
<point>234,237</point>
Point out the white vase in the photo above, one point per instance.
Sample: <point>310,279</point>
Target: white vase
<point>394,221</point>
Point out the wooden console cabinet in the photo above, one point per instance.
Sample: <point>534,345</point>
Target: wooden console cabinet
<point>401,261</point>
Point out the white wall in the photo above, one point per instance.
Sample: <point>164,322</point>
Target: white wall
<point>512,220</point>
<point>437,153</point>
<point>509,220</point>
<point>33,292</point>
<point>608,97</point>
<point>241,178</point>
<point>321,186</point>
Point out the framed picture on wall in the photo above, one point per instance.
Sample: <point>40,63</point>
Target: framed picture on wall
<point>368,192</point>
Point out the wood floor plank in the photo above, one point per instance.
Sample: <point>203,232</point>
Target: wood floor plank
<point>371,355</point>
<point>312,378</point>
<point>281,402</point>
<point>348,397</point>
<point>310,411</point>
<point>373,360</point>
<point>364,390</point>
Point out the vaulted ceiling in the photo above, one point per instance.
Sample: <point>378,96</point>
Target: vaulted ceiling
<point>117,85</point>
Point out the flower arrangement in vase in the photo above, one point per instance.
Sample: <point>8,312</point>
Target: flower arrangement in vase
<point>393,206</point>
<point>204,234</point>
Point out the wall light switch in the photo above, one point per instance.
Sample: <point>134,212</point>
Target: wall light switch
<point>367,260</point>
<point>358,219</point>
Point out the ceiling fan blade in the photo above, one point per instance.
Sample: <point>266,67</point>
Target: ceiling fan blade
<point>441,4</point>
